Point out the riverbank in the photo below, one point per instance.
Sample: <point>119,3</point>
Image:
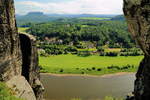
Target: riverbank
<point>86,75</point>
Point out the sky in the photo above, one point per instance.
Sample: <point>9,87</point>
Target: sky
<point>69,6</point>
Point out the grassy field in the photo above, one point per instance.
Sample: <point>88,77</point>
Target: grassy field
<point>93,18</point>
<point>95,65</point>
<point>21,29</point>
<point>112,50</point>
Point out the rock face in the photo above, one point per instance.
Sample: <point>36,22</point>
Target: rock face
<point>18,56</point>
<point>137,13</point>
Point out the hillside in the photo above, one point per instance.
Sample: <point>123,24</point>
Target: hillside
<point>34,17</point>
<point>40,17</point>
<point>118,17</point>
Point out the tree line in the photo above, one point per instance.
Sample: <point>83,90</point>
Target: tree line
<point>111,33</point>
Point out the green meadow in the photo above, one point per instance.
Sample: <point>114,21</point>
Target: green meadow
<point>93,18</point>
<point>93,65</point>
<point>22,29</point>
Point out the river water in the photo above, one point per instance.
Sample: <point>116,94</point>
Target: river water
<point>86,87</point>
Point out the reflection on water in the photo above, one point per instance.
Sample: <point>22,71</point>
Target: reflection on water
<point>85,87</point>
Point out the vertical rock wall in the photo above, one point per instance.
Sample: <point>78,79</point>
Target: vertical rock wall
<point>20,72</point>
<point>30,69</point>
<point>10,55</point>
<point>137,13</point>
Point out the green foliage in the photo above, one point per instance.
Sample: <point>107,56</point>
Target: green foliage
<point>6,94</point>
<point>131,52</point>
<point>100,49</point>
<point>71,49</point>
<point>57,49</point>
<point>112,54</point>
<point>85,53</point>
<point>113,33</point>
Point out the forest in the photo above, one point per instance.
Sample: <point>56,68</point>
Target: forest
<point>111,33</point>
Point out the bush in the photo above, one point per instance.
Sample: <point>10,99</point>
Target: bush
<point>93,68</point>
<point>53,49</point>
<point>131,52</point>
<point>114,46</point>
<point>61,70</point>
<point>112,54</point>
<point>100,49</point>
<point>80,46</point>
<point>6,94</point>
<point>102,54</point>
<point>84,53</point>
<point>71,49</point>
<point>99,69</point>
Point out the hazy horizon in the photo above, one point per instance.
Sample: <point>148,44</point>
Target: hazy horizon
<point>69,6</point>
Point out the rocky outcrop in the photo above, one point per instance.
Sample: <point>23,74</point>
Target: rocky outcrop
<point>30,69</point>
<point>18,56</point>
<point>137,13</point>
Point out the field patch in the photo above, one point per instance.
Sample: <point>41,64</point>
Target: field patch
<point>22,29</point>
<point>93,18</point>
<point>96,65</point>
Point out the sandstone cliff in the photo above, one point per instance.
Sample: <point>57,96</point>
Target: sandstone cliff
<point>137,13</point>
<point>18,56</point>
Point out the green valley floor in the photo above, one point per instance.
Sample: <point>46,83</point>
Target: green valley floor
<point>91,65</point>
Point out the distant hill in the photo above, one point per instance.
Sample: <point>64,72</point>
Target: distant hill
<point>36,17</point>
<point>81,15</point>
<point>118,17</point>
<point>39,17</point>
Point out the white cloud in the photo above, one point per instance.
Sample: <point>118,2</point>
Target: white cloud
<point>72,7</point>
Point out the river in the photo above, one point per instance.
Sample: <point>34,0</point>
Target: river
<point>59,87</point>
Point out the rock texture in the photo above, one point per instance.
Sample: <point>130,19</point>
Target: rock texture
<point>21,87</point>
<point>137,13</point>
<point>18,56</point>
<point>30,69</point>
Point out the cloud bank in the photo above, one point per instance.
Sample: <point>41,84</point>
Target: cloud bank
<point>71,7</point>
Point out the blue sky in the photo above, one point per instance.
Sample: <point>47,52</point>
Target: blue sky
<point>69,6</point>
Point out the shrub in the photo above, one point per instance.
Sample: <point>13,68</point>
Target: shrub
<point>112,54</point>
<point>102,54</point>
<point>84,53</point>
<point>131,52</point>
<point>53,49</point>
<point>93,68</point>
<point>100,49</point>
<point>80,46</point>
<point>61,70</point>
<point>71,49</point>
<point>99,69</point>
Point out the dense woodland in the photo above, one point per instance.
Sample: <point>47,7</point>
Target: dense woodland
<point>113,33</point>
